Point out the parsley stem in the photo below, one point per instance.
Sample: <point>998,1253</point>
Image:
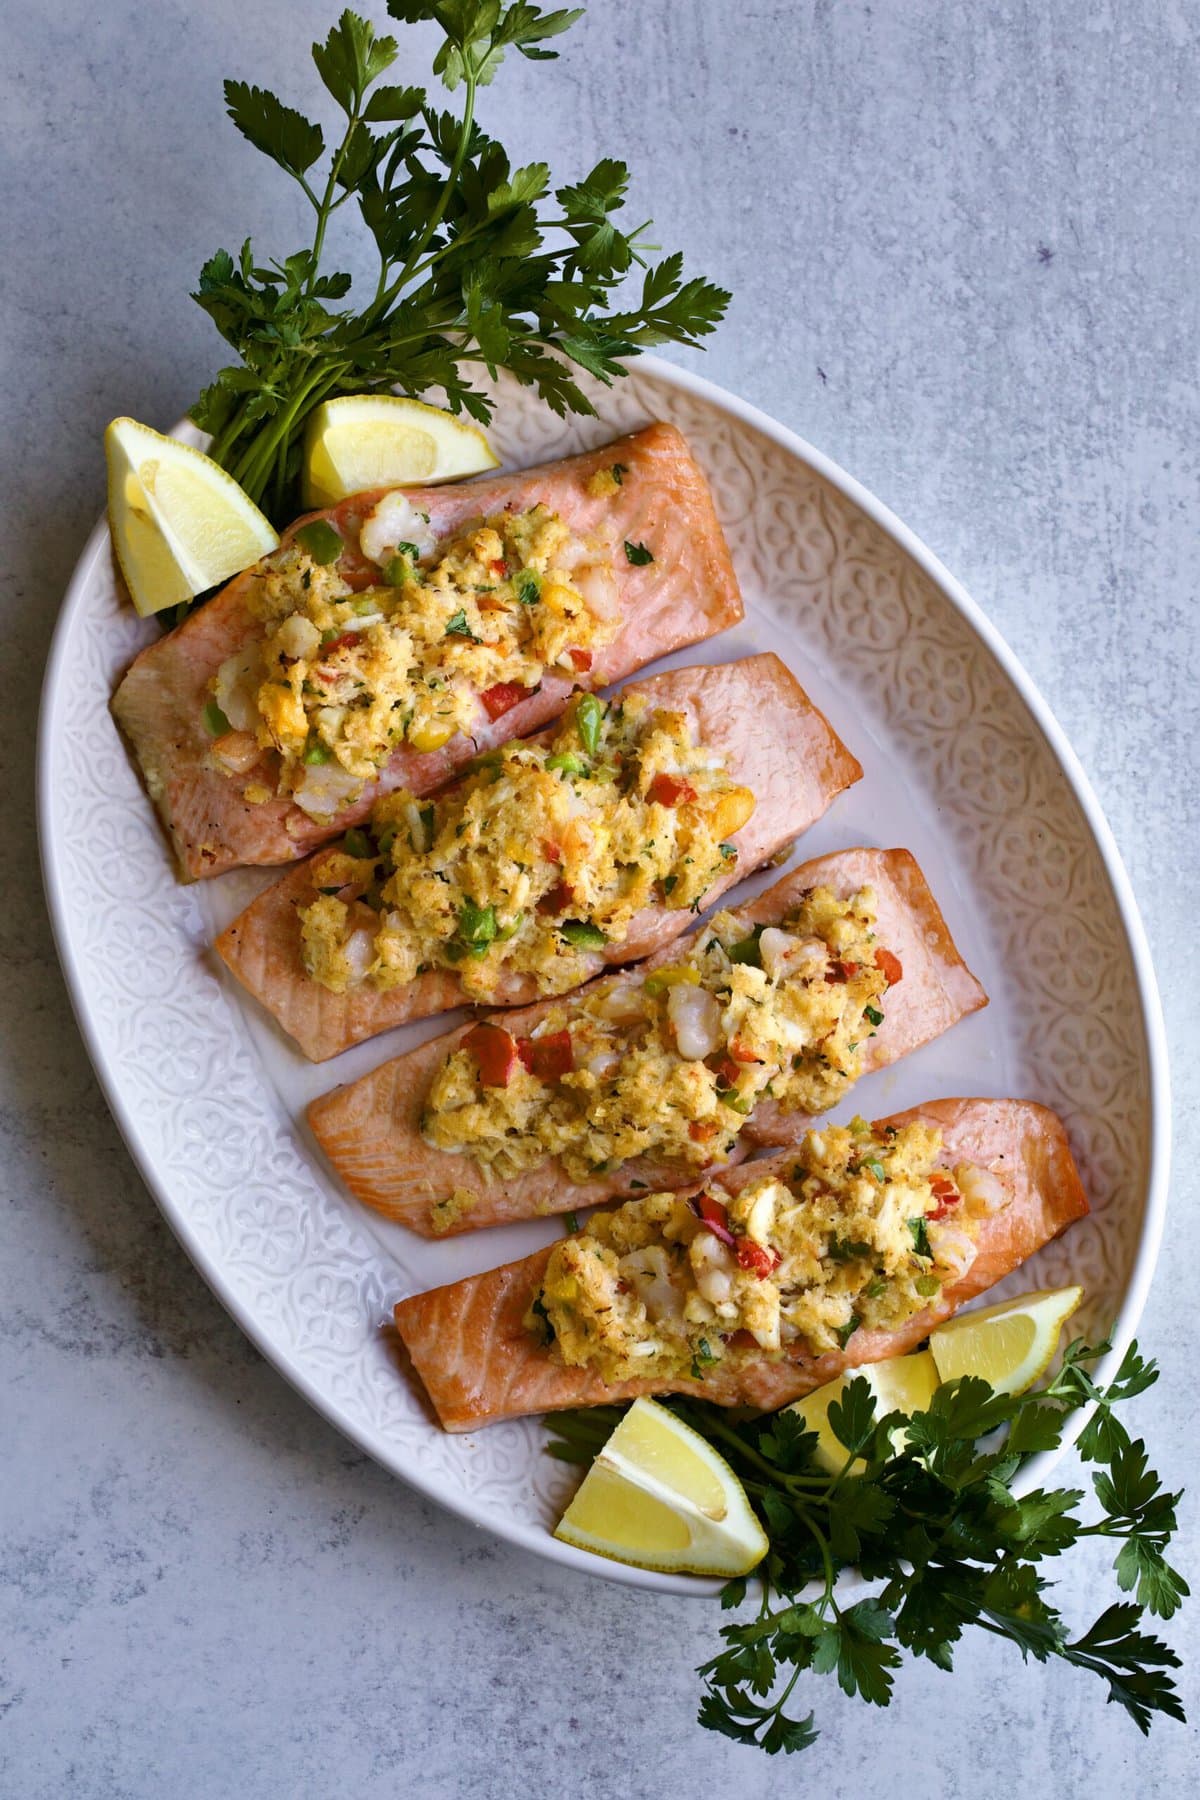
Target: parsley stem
<point>241,418</point>
<point>369,342</point>
<point>786,1695</point>
<point>380,286</point>
<point>464,237</point>
<point>716,1427</point>
<point>450,186</point>
<point>327,205</point>
<point>806,1517</point>
<point>253,470</point>
<point>228,435</point>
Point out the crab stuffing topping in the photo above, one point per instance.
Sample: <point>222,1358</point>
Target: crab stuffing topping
<point>451,635</point>
<point>538,858</point>
<point>666,1064</point>
<point>850,1236</point>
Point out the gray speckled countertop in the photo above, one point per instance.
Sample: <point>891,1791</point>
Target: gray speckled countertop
<point>962,244</point>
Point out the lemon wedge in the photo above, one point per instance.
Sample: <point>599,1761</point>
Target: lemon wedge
<point>660,1497</point>
<point>179,523</point>
<point>383,440</point>
<point>903,1384</point>
<point>1010,1344</point>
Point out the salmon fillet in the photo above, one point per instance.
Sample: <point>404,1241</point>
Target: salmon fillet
<point>370,1129</point>
<point>478,1362</point>
<point>754,713</point>
<point>689,592</point>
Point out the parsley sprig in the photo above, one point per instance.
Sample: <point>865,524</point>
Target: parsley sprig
<point>937,1524</point>
<point>472,269</point>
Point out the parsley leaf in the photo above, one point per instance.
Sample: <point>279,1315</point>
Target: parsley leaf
<point>279,131</point>
<point>852,1417</point>
<point>479,263</point>
<point>855,1645</point>
<point>457,626</point>
<point>932,1518</point>
<point>637,554</point>
<point>841,1250</point>
<point>1131,1663</point>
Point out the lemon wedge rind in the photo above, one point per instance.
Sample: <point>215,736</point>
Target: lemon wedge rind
<point>658,1496</point>
<point>386,440</point>
<point>1010,1344</point>
<point>179,522</point>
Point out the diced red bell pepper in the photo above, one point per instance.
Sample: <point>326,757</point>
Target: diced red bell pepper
<point>946,1195</point>
<point>580,659</point>
<point>741,1052</point>
<point>337,643</point>
<point>756,1259</point>
<point>726,1071</point>
<point>890,966</point>
<point>743,1340</point>
<point>549,1057</point>
<point>551,851</point>
<point>496,1053</point>
<point>670,790</point>
<point>702,1131</point>
<point>499,568</point>
<point>714,1216</point>
<point>502,698</point>
<point>557,900</point>
<point>839,971</point>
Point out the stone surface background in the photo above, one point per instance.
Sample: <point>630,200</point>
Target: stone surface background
<point>962,246</point>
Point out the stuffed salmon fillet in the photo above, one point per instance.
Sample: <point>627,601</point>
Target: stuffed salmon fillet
<point>660,577</point>
<point>751,715</point>
<point>372,1129</point>
<point>479,1358</point>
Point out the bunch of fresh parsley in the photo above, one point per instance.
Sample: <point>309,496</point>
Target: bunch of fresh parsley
<point>938,1525</point>
<point>471,271</point>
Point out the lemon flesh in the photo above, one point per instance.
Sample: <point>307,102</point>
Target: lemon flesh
<point>903,1384</point>
<point>179,523</point>
<point>381,440</point>
<point>660,1497</point>
<point>1010,1344</point>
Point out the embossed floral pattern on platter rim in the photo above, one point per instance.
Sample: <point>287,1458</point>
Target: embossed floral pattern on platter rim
<point>963,761</point>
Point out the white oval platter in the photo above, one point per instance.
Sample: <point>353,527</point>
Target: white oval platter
<point>963,765</point>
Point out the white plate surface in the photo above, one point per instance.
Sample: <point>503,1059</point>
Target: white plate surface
<point>963,765</point>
